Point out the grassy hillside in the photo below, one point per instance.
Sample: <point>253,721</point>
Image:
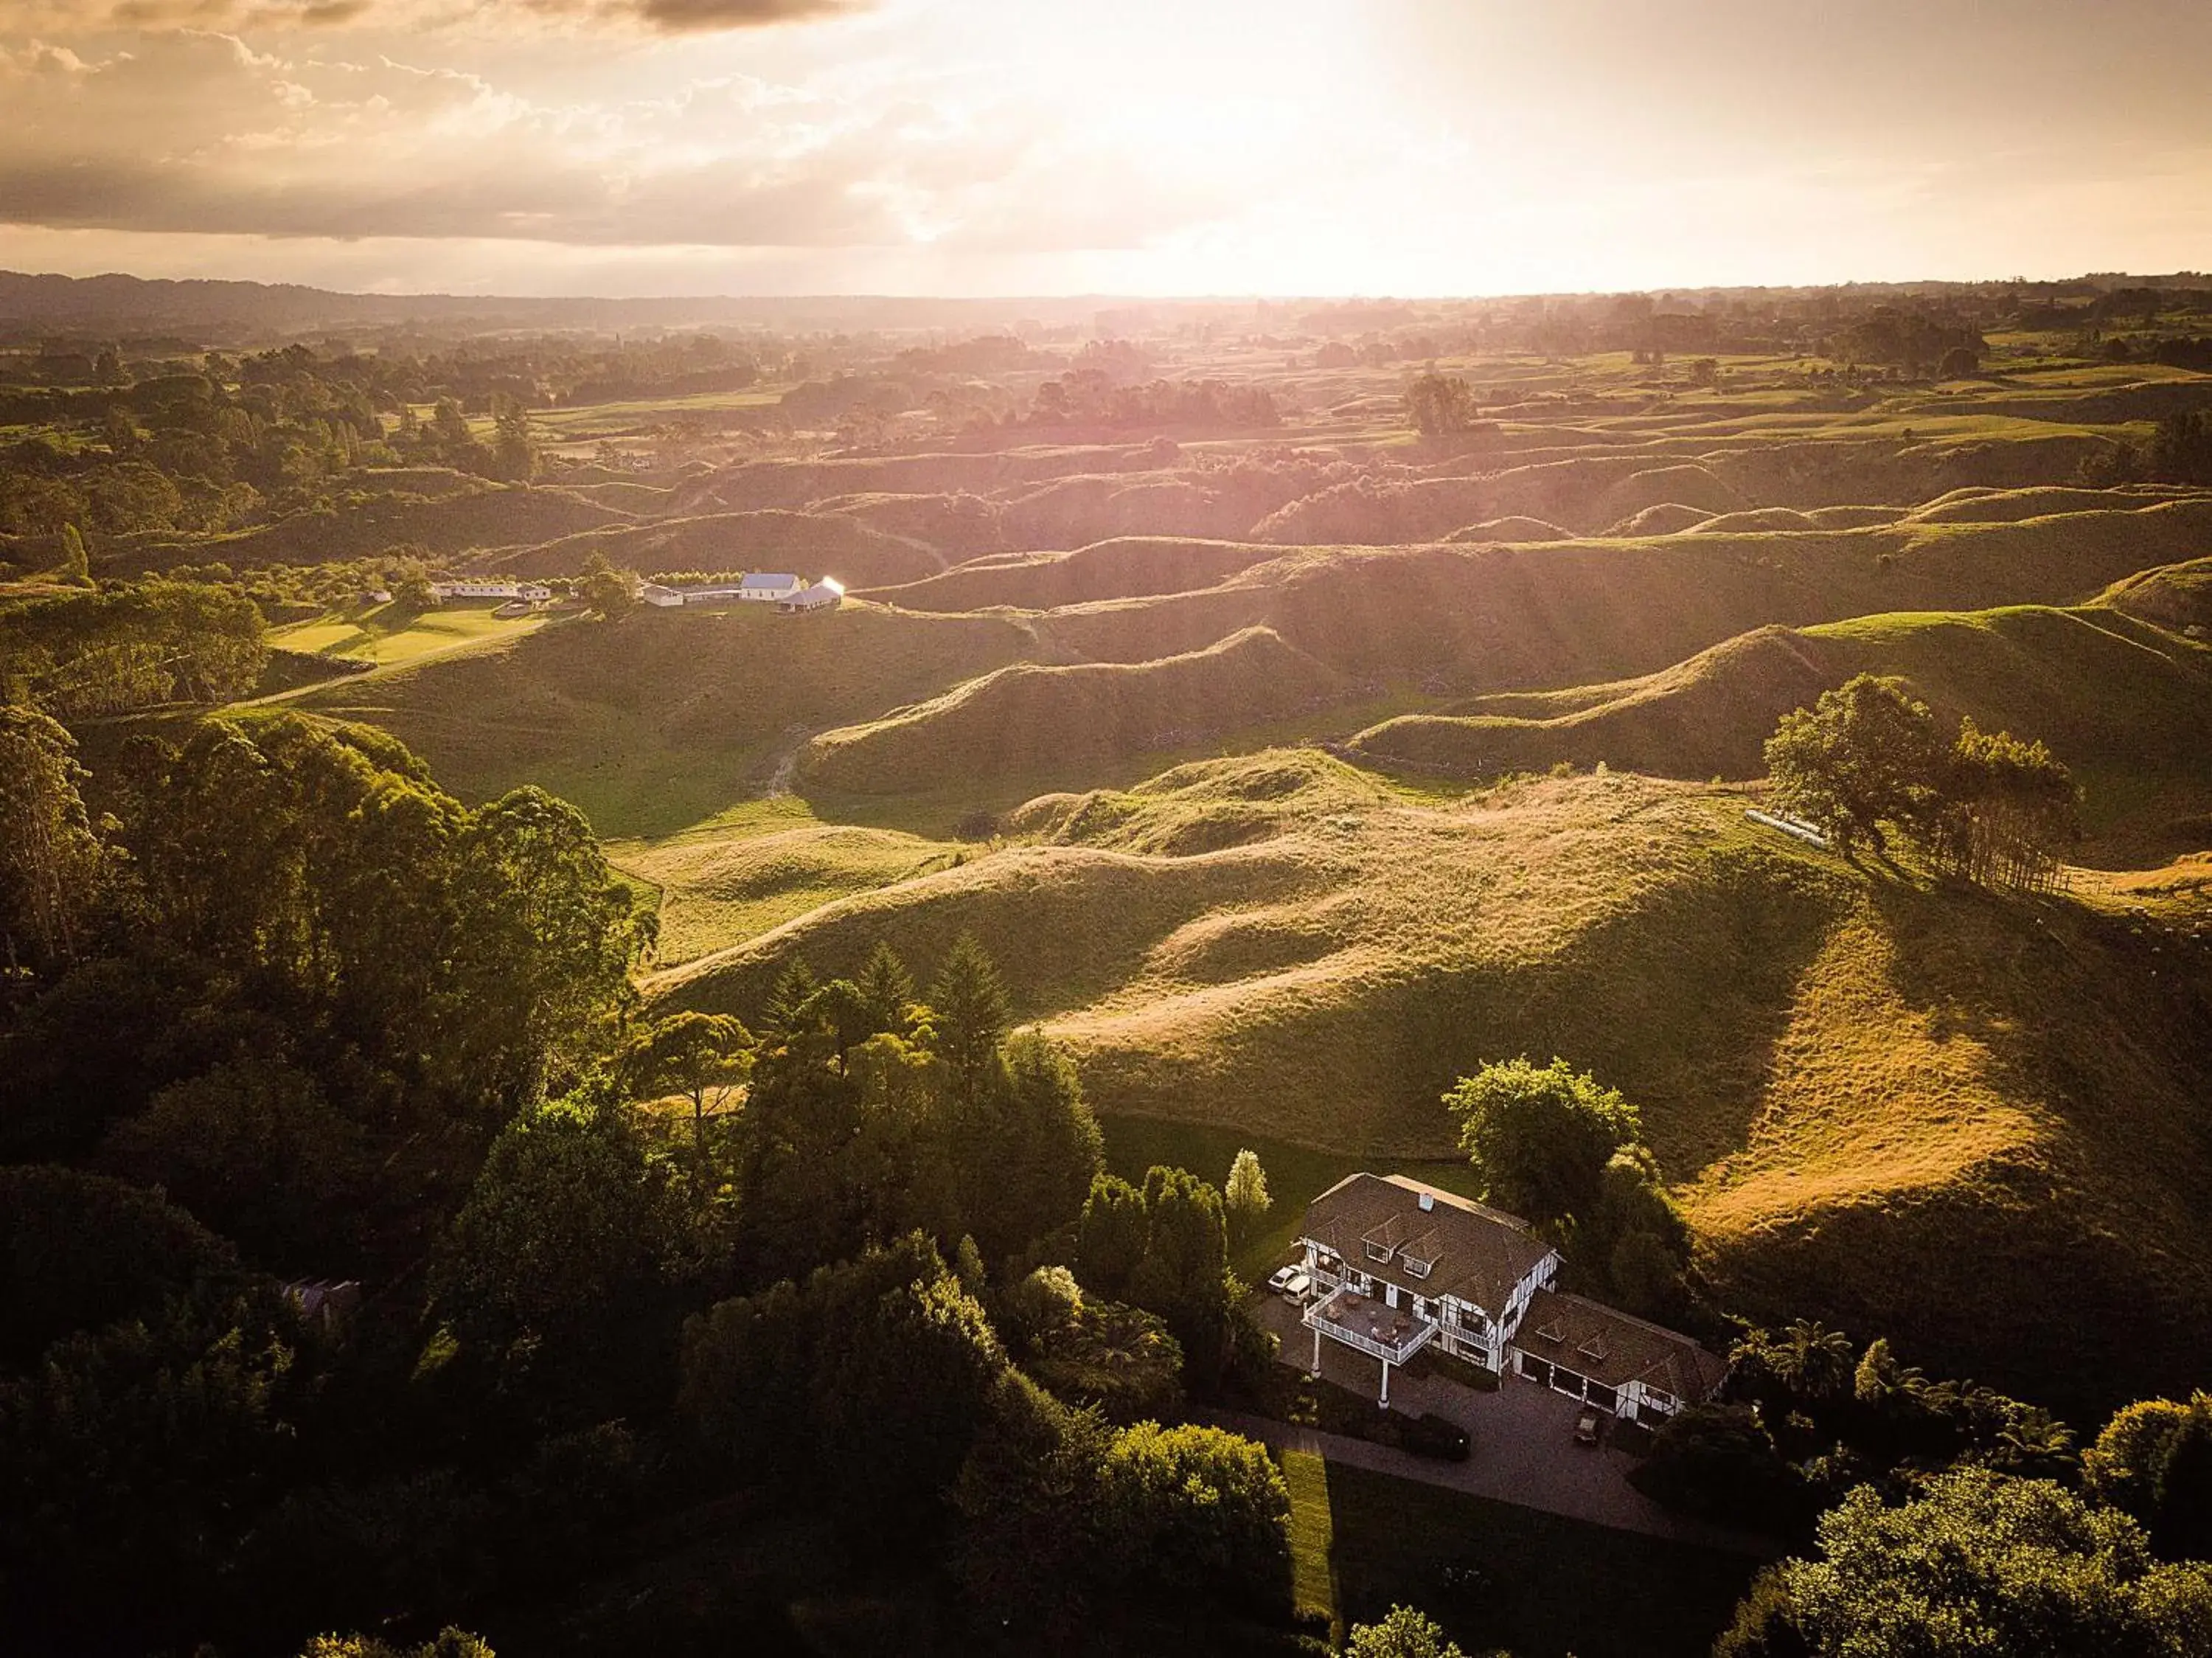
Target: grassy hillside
<point>659,721</point>
<point>1867,1090</point>
<point>487,515</point>
<point>1034,721</point>
<point>2126,704</point>
<point>1129,567</point>
<point>760,867</point>
<point>812,544</point>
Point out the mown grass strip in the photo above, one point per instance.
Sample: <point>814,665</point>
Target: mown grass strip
<point>1312,1536</point>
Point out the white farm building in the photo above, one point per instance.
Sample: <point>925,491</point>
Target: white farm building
<point>529,593</point>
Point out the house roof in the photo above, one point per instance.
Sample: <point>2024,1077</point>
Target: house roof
<point>1613,1348</point>
<point>768,583</point>
<point>1478,1254</point>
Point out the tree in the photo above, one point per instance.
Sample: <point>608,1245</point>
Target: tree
<point>2181,449</point>
<point>1245,1198</point>
<point>608,594</point>
<point>1403,1633</point>
<point>450,1643</point>
<point>780,1018</point>
<point>1632,1243</point>
<point>552,934</point>
<point>253,1149</point>
<point>1110,1236</point>
<point>1976,1563</point>
<point>513,446</point>
<point>1441,404</point>
<point>969,1002</point>
<point>135,1457</point>
<point>78,1251</point>
<point>865,1387</point>
<point>886,988</point>
<point>703,1056</point>
<point>2006,810</point>
<point>1540,1138</point>
<point>1865,756</point>
<point>411,592</point>
<point>54,867</point>
<point>1199,1512</point>
<point>2153,1462</point>
<point>1034,1149</point>
<point>76,566</point>
<point>566,1223</point>
<point>1959,363</point>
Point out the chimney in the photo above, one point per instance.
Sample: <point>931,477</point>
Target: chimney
<point>1428,1201</point>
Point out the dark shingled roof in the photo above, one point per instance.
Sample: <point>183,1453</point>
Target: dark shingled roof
<point>1613,1348</point>
<point>1479,1253</point>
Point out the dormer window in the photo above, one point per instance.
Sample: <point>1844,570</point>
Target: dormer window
<point>1593,1348</point>
<point>1418,1269</point>
<point>1378,1252</point>
<point>1552,1332</point>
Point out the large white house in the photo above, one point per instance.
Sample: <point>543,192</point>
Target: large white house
<point>1397,1265</point>
<point>1400,1264</point>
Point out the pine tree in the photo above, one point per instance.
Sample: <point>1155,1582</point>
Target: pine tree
<point>972,1014</point>
<point>792,988</point>
<point>886,988</point>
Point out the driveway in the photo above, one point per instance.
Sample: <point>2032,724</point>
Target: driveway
<point>1523,1443</point>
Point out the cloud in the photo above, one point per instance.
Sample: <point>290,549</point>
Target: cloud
<point>654,17</point>
<point>684,16</point>
<point>196,133</point>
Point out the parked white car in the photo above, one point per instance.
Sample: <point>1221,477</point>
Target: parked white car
<point>1292,1281</point>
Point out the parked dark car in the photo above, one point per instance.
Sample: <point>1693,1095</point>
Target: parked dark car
<point>1431,1435</point>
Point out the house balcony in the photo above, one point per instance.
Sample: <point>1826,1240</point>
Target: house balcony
<point>1393,1335</point>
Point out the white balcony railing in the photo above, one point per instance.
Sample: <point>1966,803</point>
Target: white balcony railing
<point>1369,1326</point>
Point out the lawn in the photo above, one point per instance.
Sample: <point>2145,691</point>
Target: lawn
<point>390,639</point>
<point>1537,1584</point>
<point>1313,1539</point>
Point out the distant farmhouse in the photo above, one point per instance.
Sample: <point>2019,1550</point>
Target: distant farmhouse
<point>790,595</point>
<point>528,593</point>
<point>1400,1265</point>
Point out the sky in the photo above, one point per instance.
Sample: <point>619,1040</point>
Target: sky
<point>1139,147</point>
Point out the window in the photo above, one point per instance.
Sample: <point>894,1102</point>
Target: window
<point>1376,1251</point>
<point>1605,1397</point>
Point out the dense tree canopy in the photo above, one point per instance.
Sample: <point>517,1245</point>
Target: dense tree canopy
<point>1540,1136</point>
<point>1976,1563</point>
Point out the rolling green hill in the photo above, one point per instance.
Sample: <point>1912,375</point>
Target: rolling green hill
<point>1035,721</point>
<point>2126,704</point>
<point>1882,1103</point>
<point>659,721</point>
